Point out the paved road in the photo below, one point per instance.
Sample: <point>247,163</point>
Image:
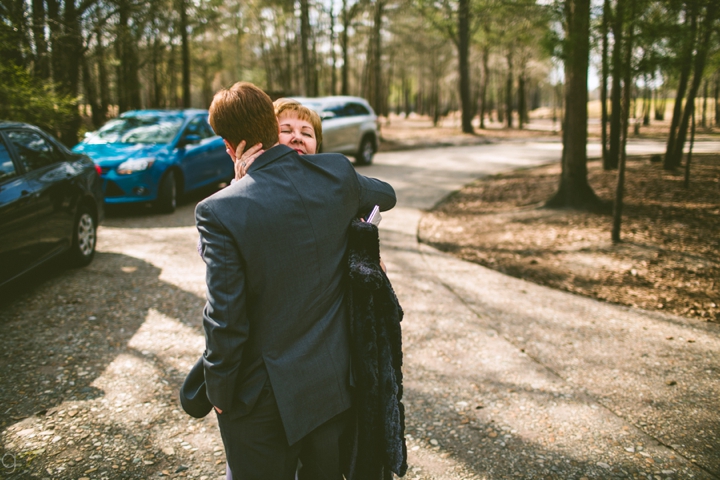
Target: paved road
<point>504,379</point>
<point>567,387</point>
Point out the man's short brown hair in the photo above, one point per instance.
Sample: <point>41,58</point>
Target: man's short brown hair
<point>293,108</point>
<point>244,112</point>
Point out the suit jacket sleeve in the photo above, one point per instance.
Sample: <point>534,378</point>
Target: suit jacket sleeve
<point>375,192</point>
<point>225,316</point>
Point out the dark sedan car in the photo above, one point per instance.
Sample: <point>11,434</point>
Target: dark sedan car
<point>153,156</point>
<point>50,201</point>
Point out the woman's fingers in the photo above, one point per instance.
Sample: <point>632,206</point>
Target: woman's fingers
<point>241,167</point>
<point>246,159</point>
<point>249,152</point>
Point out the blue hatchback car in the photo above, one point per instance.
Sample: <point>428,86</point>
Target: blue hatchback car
<point>156,155</point>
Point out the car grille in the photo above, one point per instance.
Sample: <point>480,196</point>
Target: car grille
<point>112,190</point>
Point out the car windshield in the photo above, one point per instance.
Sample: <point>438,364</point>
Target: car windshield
<point>138,129</point>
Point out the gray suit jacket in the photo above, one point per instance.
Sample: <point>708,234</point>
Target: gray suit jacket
<point>274,245</point>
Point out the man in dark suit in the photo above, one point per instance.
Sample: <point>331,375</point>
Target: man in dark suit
<point>277,358</point>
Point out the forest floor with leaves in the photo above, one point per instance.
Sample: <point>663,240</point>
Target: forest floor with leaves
<point>669,257</point>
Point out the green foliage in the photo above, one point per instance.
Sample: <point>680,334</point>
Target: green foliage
<point>25,99</point>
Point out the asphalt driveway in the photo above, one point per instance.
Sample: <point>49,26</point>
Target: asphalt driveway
<point>504,379</point>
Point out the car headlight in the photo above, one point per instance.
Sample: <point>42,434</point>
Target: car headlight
<point>135,165</point>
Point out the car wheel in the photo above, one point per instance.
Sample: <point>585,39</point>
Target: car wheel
<point>84,238</point>
<point>167,194</point>
<point>365,152</point>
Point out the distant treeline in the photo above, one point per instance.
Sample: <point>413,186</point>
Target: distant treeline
<point>492,58</point>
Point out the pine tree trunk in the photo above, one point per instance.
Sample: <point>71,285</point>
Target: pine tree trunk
<point>522,103</point>
<point>670,162</point>
<point>344,45</point>
<point>463,46</point>
<point>238,57</point>
<point>172,74</point>
<point>616,91</point>
<point>305,33</point>
<point>699,67</point>
<point>406,93</point>
<point>660,104</point>
<point>157,72</point>
<point>67,51</point>
<point>103,80</point>
<point>690,152</point>
<point>55,39</point>
<point>374,69</point>
<point>619,191</point>
<point>333,56</point>
<point>604,84</point>
<point>509,90</point>
<point>42,66</point>
<point>717,100</point>
<point>91,96</point>
<point>484,85</point>
<point>647,103</point>
<point>185,54</point>
<point>703,119</point>
<point>435,99</point>
<point>574,190</point>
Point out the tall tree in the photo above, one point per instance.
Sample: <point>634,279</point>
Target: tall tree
<point>453,19</point>
<point>618,24</point>
<point>333,54</point>
<point>509,88</point>
<point>574,190</point>
<point>706,33</point>
<point>349,12</point>
<point>308,67</point>
<point>685,60</point>
<point>42,64</point>
<point>128,82</point>
<point>603,83</point>
<point>373,79</point>
<point>484,85</point>
<point>185,46</point>
<point>627,87</point>
<point>463,47</point>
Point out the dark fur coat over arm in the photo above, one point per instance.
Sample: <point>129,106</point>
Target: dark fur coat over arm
<point>377,360</point>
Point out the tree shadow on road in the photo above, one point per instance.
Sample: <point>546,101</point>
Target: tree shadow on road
<point>487,435</point>
<point>63,328</point>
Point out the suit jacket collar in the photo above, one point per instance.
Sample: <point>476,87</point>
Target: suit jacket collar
<point>270,156</point>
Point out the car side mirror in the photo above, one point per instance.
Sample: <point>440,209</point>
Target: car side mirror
<point>327,115</point>
<point>190,139</point>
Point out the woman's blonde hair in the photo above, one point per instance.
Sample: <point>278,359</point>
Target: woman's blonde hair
<point>288,106</point>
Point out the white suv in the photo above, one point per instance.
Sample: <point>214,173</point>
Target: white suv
<point>349,126</point>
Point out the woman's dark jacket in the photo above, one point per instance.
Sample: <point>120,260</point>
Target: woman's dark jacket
<point>376,343</point>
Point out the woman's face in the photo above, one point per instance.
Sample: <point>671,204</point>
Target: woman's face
<point>297,134</point>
